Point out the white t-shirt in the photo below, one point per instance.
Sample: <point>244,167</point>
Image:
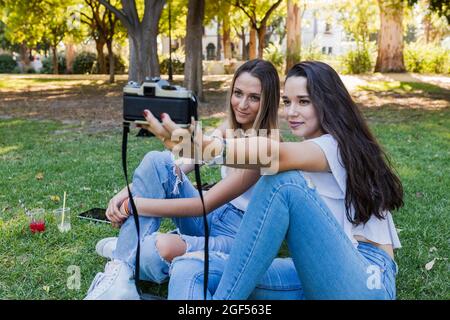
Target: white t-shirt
<point>331,186</point>
<point>242,201</point>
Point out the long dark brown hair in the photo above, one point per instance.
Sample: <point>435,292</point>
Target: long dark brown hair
<point>266,73</point>
<point>372,186</point>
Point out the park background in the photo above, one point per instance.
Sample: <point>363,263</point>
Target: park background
<point>63,65</point>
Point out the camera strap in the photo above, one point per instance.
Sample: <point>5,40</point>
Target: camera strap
<point>126,130</point>
<point>205,223</point>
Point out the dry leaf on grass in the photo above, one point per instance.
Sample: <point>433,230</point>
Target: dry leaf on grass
<point>39,176</point>
<point>430,264</point>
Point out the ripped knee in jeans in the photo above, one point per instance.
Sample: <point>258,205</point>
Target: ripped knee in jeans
<point>179,178</point>
<point>170,246</point>
<point>178,172</point>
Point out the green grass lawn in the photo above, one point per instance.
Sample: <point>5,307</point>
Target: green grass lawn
<point>42,159</point>
<point>402,87</point>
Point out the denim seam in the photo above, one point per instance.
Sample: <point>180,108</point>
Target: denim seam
<point>196,277</point>
<point>369,248</point>
<point>227,219</point>
<point>279,287</point>
<point>222,213</point>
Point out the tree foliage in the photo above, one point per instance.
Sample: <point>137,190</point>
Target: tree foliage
<point>30,22</point>
<point>178,15</point>
<point>359,18</point>
<point>441,7</point>
<point>259,14</point>
<point>104,28</point>
<point>22,22</point>
<point>5,43</point>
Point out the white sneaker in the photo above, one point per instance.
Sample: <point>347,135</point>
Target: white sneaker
<point>106,246</point>
<point>116,283</point>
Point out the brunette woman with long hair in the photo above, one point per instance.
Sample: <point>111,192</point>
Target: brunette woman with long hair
<point>331,200</point>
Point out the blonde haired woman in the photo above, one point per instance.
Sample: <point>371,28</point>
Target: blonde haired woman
<point>161,189</point>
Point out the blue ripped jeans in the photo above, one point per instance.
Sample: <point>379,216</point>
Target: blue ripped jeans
<point>156,178</point>
<point>324,265</point>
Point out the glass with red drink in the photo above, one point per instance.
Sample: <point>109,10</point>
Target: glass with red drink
<point>37,220</point>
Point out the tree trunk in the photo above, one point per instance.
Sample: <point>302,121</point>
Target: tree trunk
<point>252,44</point>
<point>70,57</point>
<point>226,32</point>
<point>244,45</point>
<point>111,61</point>
<point>427,27</point>
<point>143,52</point>
<point>153,50</point>
<point>133,65</point>
<point>24,56</point>
<point>99,45</point>
<point>193,70</point>
<point>293,41</point>
<point>55,59</point>
<point>141,57</point>
<point>141,36</point>
<point>219,42</point>
<point>261,40</point>
<point>390,37</point>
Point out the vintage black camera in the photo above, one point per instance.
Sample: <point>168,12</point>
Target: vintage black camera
<point>158,96</point>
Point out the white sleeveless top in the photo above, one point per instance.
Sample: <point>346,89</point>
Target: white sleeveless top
<point>331,186</point>
<point>242,201</point>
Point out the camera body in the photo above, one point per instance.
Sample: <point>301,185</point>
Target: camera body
<point>158,96</point>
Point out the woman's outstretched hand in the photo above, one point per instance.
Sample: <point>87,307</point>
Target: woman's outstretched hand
<point>184,142</point>
<point>172,135</point>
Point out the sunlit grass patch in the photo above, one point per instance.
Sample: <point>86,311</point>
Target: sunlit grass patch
<point>401,87</point>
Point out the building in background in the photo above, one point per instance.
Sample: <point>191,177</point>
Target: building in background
<point>319,32</point>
